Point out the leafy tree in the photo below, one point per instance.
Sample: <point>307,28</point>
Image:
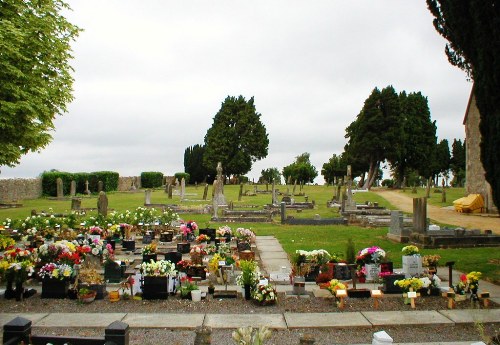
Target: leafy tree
<point>335,168</point>
<point>375,134</point>
<point>457,162</point>
<point>193,165</point>
<point>418,137</point>
<point>237,137</point>
<point>472,29</point>
<point>270,174</point>
<point>35,79</point>
<point>301,170</point>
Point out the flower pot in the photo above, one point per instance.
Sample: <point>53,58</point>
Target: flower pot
<point>247,290</point>
<point>183,247</point>
<point>196,295</point>
<point>128,245</point>
<point>155,288</point>
<point>9,290</point>
<point>246,255</point>
<point>242,246</point>
<point>54,288</point>
<point>211,290</point>
<point>173,257</point>
<point>114,296</point>
<point>99,289</point>
<point>166,237</point>
<point>87,298</point>
<point>149,257</point>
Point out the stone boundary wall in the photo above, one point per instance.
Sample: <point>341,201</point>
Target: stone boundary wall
<point>20,188</point>
<point>125,183</point>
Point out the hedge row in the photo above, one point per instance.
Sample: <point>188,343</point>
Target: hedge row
<point>49,181</point>
<point>151,179</point>
<point>180,175</point>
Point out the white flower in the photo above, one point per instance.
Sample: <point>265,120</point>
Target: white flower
<point>95,251</point>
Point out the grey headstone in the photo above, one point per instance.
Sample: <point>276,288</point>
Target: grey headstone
<point>396,225</point>
<point>76,203</point>
<point>87,190</point>
<point>205,191</point>
<point>102,204</point>
<point>170,189</point>
<point>241,192</point>
<point>147,197</point>
<point>72,189</point>
<point>183,188</point>
<point>100,186</point>
<point>219,197</point>
<point>134,183</point>
<point>59,186</point>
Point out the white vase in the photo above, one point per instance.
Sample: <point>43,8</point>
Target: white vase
<point>196,295</point>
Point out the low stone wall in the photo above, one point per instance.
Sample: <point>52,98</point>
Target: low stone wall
<point>20,189</point>
<point>125,183</point>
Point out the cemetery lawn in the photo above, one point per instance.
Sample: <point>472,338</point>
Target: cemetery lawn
<point>330,238</point>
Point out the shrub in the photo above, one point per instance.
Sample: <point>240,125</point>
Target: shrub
<point>151,179</point>
<point>180,175</point>
<point>109,179</point>
<point>49,182</point>
<point>389,183</point>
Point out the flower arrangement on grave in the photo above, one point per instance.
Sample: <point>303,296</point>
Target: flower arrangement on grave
<point>435,281</point>
<point>143,215</point>
<point>69,258</point>
<point>245,235</point>
<point>202,238</point>
<point>127,285</point>
<point>224,231</point>
<point>300,266</point>
<point>334,285</point>
<point>95,230</point>
<point>370,255</point>
<point>86,295</point>
<point>430,260</point>
<point>188,229</point>
<point>316,257</point>
<point>149,249</point>
<point>247,336</point>
<point>410,250</point>
<point>49,252</point>
<point>5,242</point>
<point>90,276</point>
<point>96,248</point>
<point>384,274</point>
<point>361,273</point>
<point>461,286</point>
<point>265,294</point>
<point>406,284</point>
<point>56,271</point>
<point>113,230</point>
<point>159,268</point>
<point>16,272</point>
<point>473,281</point>
<point>183,265</point>
<point>213,264</point>
<point>249,273</point>
<point>187,286</point>
<point>197,253</point>
<point>211,249</point>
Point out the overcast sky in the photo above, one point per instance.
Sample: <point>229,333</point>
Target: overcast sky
<point>151,75</point>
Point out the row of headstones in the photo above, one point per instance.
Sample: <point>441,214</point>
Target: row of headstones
<point>72,188</point>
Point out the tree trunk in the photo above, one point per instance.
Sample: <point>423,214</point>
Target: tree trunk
<point>428,190</point>
<point>372,175</point>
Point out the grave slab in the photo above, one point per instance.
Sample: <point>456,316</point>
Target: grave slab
<point>80,320</point>
<point>472,315</point>
<point>322,320</point>
<point>269,248</point>
<point>33,317</point>
<point>276,321</point>
<point>416,317</point>
<point>170,321</point>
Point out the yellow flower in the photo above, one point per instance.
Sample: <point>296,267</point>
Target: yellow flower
<point>55,273</point>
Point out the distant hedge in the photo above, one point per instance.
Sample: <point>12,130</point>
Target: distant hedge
<point>49,184</point>
<point>151,179</point>
<point>180,175</point>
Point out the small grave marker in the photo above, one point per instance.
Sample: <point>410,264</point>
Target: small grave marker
<point>341,294</point>
<point>376,295</point>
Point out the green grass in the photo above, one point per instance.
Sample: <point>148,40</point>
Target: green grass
<point>331,238</point>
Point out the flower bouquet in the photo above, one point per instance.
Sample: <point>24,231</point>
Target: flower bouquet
<point>56,271</point>
<point>461,286</point>
<point>430,260</point>
<point>159,268</point>
<point>409,283</point>
<point>473,281</point>
<point>410,250</point>
<point>245,235</point>
<point>149,249</point>
<point>265,295</point>
<point>187,286</point>
<point>334,285</point>
<point>202,238</point>
<point>224,231</point>
<point>188,230</point>
<point>370,255</point>
<point>197,253</point>
<point>95,230</point>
